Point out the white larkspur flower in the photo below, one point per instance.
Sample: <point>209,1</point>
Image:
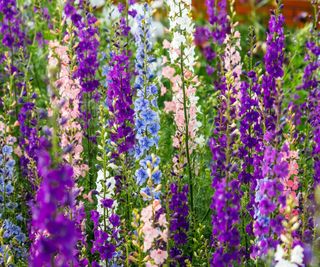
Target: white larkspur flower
<point>296,259</point>
<point>178,40</point>
<point>297,255</point>
<point>182,49</point>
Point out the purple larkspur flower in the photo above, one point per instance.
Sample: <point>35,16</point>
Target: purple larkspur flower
<point>55,235</point>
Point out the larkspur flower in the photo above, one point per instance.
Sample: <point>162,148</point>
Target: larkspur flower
<point>251,136</point>
<point>273,60</point>
<point>13,236</point>
<point>179,70</point>
<point>179,225</point>
<point>11,26</point>
<point>147,120</point>
<point>119,102</point>
<point>267,219</point>
<point>268,201</point>
<point>55,234</point>
<point>67,98</point>
<point>226,199</point>
<point>210,38</point>
<point>29,140</point>
<point>102,244</point>
<point>154,230</point>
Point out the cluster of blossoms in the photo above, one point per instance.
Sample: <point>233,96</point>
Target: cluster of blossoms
<point>55,235</point>
<point>67,98</point>
<point>155,233</point>
<point>251,134</point>
<point>295,260</point>
<point>291,181</point>
<point>12,34</point>
<point>147,120</point>
<point>87,56</point>
<point>273,61</point>
<point>269,200</point>
<point>218,19</point>
<point>270,197</point>
<point>29,139</point>
<point>226,199</point>
<point>119,101</point>
<point>311,84</point>
<point>179,225</point>
<point>103,238</point>
<point>209,38</point>
<point>182,58</point>
<point>119,93</point>
<point>13,239</point>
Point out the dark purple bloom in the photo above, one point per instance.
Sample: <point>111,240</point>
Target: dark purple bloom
<point>119,101</point>
<point>208,38</point>
<point>179,225</point>
<point>10,26</point>
<point>273,61</point>
<point>107,203</point>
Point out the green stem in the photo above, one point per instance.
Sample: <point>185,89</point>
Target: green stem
<point>186,119</point>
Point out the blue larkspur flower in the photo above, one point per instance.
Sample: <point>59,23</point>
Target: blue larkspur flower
<point>11,231</point>
<point>141,176</point>
<point>7,150</point>
<point>9,188</point>
<point>147,122</point>
<point>149,115</point>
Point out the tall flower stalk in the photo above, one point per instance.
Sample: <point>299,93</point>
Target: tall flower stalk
<point>226,199</point>
<point>147,120</point>
<point>269,194</point>
<point>12,239</point>
<point>87,66</point>
<point>251,136</point>
<point>67,98</point>
<point>273,61</point>
<point>117,140</point>
<point>67,132</point>
<point>119,93</point>
<point>184,82</point>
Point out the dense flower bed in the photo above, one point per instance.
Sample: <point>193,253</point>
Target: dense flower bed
<point>132,134</point>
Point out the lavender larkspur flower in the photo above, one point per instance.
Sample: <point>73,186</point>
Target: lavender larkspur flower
<point>218,18</point>
<point>102,244</point>
<point>251,136</point>
<point>269,198</point>
<point>211,37</point>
